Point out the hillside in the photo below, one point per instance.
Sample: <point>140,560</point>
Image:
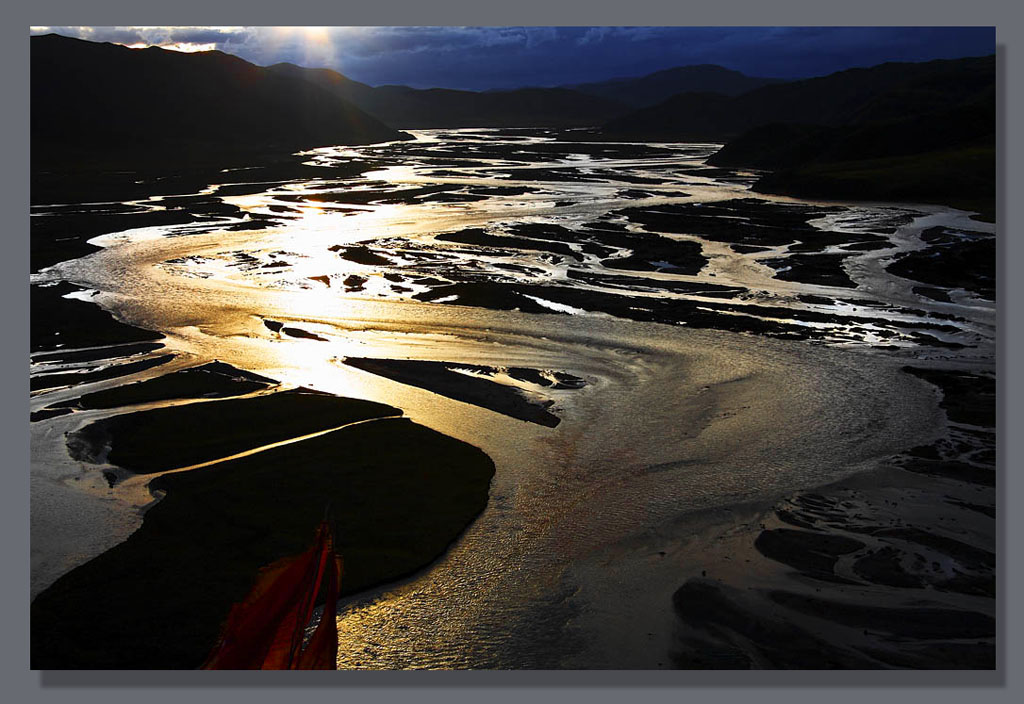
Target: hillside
<point>895,132</point>
<point>644,91</point>
<point>946,156</point>
<point>126,106</point>
<point>410,108</point>
<point>885,92</point>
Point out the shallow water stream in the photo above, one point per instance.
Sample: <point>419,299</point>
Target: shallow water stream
<point>579,549</point>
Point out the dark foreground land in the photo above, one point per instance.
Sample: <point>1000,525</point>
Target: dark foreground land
<point>398,493</point>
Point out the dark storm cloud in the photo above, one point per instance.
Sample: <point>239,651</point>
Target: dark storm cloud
<point>504,57</point>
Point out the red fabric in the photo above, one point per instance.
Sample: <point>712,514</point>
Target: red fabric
<point>265,631</point>
<point>322,651</point>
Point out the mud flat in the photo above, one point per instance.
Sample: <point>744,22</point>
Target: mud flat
<point>61,322</point>
<point>48,381</point>
<point>892,569</point>
<point>160,439</point>
<point>470,383</point>
<point>211,380</point>
<point>954,259</point>
<point>397,492</point>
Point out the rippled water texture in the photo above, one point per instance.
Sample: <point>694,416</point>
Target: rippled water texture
<point>702,389</point>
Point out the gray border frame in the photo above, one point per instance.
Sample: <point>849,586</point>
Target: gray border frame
<point>23,685</point>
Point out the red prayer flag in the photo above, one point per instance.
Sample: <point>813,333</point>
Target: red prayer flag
<point>265,631</point>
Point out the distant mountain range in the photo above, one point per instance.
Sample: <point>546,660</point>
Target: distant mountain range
<point>659,86</point>
<point>893,132</point>
<point>410,108</point>
<point>856,96</point>
<point>105,101</point>
<point>121,105</point>
<point>582,105</point>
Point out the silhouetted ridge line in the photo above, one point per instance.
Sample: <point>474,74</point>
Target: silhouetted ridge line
<point>895,132</point>
<point>644,91</point>
<point>121,105</point>
<point>885,92</point>
<point>410,108</point>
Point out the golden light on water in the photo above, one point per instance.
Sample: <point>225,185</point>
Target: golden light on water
<point>285,288</point>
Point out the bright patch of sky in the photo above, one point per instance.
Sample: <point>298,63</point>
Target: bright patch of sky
<point>479,58</point>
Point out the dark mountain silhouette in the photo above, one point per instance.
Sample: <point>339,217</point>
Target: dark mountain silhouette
<point>920,131</point>
<point>943,156</point>
<point>885,92</point>
<point>895,132</point>
<point>787,145</point>
<point>120,105</point>
<point>935,163</point>
<point>644,91</point>
<point>410,108</point>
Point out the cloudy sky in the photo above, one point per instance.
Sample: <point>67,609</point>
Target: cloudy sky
<point>477,58</point>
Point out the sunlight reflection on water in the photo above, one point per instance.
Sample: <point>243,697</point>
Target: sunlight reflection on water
<point>671,420</point>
